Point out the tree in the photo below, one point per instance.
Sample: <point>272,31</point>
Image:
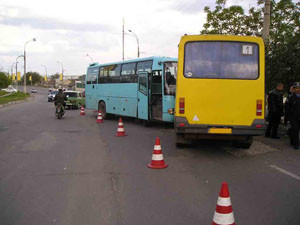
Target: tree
<point>4,80</point>
<point>283,46</point>
<point>55,76</point>
<point>82,77</point>
<point>232,20</point>
<point>36,78</point>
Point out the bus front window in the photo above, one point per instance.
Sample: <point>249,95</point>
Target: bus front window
<point>170,74</point>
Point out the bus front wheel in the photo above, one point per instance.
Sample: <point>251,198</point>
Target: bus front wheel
<point>102,109</point>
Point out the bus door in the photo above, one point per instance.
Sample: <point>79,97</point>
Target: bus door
<point>169,89</point>
<point>91,93</point>
<point>156,95</point>
<point>143,93</point>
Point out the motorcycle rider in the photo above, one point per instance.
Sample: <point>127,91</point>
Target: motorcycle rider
<point>60,97</point>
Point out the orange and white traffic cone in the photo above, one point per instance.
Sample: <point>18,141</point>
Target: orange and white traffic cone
<point>82,113</point>
<point>99,118</point>
<point>223,214</point>
<point>157,161</point>
<point>121,130</point>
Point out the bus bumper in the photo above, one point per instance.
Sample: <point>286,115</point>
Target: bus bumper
<point>182,126</point>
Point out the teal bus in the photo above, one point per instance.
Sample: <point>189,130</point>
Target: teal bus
<point>143,88</point>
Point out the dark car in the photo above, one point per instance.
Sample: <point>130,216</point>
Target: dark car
<point>51,95</point>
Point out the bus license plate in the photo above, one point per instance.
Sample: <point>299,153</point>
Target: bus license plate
<point>220,130</point>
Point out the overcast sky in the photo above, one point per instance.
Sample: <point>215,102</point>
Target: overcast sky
<point>68,30</point>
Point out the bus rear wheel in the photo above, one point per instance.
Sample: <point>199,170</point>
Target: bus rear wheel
<point>102,109</point>
<point>182,142</point>
<point>245,144</point>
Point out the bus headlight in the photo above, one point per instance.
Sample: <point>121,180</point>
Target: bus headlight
<point>171,111</point>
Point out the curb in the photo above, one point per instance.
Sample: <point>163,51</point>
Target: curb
<point>14,103</point>
<point>2,96</point>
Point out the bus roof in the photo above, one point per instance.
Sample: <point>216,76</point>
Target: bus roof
<point>155,58</point>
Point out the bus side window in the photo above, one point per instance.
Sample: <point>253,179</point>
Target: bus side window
<point>92,76</point>
<point>128,73</point>
<point>103,72</point>
<point>145,66</point>
<point>88,77</point>
<point>114,73</point>
<point>106,78</point>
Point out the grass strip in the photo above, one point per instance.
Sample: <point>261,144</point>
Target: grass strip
<point>3,93</point>
<point>14,97</point>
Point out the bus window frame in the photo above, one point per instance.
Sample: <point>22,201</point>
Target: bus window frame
<point>213,78</point>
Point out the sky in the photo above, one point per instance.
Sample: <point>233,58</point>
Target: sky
<point>66,31</point>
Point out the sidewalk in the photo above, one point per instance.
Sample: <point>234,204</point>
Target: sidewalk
<point>280,144</point>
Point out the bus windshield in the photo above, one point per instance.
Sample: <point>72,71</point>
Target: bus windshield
<point>221,59</point>
<point>170,69</point>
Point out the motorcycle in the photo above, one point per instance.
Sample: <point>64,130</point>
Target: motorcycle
<point>59,111</point>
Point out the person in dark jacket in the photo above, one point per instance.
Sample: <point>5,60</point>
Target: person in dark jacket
<point>294,107</point>
<point>60,97</point>
<point>275,107</point>
<point>287,111</point>
<point>286,105</point>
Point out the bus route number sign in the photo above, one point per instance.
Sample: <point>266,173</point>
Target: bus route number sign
<point>247,50</point>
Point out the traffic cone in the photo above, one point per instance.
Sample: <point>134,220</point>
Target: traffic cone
<point>121,130</point>
<point>99,118</point>
<point>157,161</point>
<point>223,214</point>
<point>82,113</point>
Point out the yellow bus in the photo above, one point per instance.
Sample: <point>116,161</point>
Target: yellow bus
<point>220,89</point>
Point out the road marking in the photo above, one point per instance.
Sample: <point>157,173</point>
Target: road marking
<point>285,172</point>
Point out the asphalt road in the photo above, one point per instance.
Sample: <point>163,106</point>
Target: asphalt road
<point>76,172</point>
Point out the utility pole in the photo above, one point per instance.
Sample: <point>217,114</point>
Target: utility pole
<point>123,41</point>
<point>266,29</point>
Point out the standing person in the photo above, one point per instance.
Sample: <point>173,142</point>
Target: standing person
<point>275,107</point>
<point>294,106</point>
<point>287,110</point>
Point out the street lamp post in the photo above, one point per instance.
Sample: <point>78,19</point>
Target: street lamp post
<point>62,73</point>
<point>138,44</point>
<point>90,57</point>
<point>34,39</point>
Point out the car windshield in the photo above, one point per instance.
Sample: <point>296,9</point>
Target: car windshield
<point>54,92</point>
<point>71,94</point>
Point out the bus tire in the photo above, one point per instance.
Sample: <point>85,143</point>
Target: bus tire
<point>102,108</point>
<point>181,141</point>
<point>245,144</point>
